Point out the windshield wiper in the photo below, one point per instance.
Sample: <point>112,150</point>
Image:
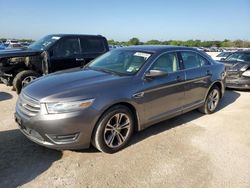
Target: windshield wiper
<point>105,71</point>
<point>109,71</point>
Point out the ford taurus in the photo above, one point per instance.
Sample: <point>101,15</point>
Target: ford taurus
<point>121,92</point>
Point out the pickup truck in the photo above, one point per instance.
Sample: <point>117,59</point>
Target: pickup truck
<point>18,67</point>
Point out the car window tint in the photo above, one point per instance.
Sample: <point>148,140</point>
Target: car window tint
<point>167,62</point>
<point>190,60</point>
<point>246,57</point>
<point>92,45</point>
<point>67,47</point>
<point>202,60</point>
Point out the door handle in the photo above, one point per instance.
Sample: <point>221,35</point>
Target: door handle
<point>138,95</point>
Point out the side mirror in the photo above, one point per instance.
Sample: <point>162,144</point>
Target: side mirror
<point>223,59</point>
<point>155,73</point>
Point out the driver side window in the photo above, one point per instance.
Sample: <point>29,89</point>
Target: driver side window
<point>67,47</point>
<point>167,62</point>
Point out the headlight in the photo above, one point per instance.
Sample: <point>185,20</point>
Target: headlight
<point>64,107</point>
<point>244,68</point>
<point>246,73</point>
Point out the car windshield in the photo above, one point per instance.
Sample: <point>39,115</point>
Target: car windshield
<point>123,62</point>
<point>223,54</point>
<point>239,57</point>
<point>44,42</point>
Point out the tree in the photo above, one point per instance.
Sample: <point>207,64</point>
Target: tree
<point>153,42</point>
<point>239,43</point>
<point>134,41</point>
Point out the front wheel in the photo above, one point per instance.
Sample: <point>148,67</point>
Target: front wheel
<point>23,78</point>
<point>212,101</point>
<point>114,129</point>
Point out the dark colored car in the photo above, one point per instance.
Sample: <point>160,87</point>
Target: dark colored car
<point>238,70</point>
<point>124,90</point>
<point>49,54</point>
<point>222,56</point>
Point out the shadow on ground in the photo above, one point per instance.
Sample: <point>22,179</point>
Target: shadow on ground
<point>229,98</point>
<point>21,160</point>
<point>5,96</point>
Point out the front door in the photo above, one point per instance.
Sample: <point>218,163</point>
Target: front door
<point>163,96</point>
<point>66,54</point>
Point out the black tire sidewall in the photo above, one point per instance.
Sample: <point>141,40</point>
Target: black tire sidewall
<point>99,142</point>
<point>208,111</point>
<point>17,82</point>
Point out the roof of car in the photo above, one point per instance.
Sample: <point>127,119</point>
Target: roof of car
<point>156,48</point>
<point>85,35</point>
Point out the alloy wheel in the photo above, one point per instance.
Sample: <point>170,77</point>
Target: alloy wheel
<point>117,130</point>
<point>27,80</point>
<point>213,99</point>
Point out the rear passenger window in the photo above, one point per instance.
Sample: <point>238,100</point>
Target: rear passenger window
<point>203,61</point>
<point>92,45</point>
<point>193,60</point>
<point>167,62</point>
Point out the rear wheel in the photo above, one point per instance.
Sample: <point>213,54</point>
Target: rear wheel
<point>114,129</point>
<point>212,101</point>
<point>23,78</point>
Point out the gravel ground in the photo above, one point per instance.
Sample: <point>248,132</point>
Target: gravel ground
<point>192,150</point>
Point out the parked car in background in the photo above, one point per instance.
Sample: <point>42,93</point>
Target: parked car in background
<point>123,91</point>
<point>13,45</point>
<point>222,56</point>
<point>238,70</point>
<point>2,46</point>
<point>49,54</point>
<point>11,41</point>
<point>25,44</point>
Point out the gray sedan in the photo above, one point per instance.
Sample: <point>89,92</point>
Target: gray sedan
<point>121,92</point>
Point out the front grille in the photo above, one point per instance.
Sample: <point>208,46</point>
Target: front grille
<point>28,106</point>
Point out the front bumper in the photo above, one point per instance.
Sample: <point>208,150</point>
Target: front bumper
<point>59,131</point>
<point>239,83</point>
<point>235,80</point>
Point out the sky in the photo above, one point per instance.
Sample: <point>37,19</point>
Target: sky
<point>123,19</point>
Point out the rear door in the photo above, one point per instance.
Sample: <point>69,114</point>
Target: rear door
<point>163,96</point>
<point>92,47</point>
<point>198,77</point>
<point>65,54</point>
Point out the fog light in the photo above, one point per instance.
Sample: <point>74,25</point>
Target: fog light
<point>63,139</point>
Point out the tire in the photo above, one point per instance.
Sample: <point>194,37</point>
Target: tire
<point>209,106</point>
<point>108,137</point>
<point>23,78</point>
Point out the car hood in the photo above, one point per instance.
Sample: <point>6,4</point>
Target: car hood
<point>234,64</point>
<point>72,85</point>
<point>20,52</point>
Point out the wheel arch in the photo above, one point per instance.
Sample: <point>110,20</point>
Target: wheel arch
<point>126,104</point>
<point>219,85</point>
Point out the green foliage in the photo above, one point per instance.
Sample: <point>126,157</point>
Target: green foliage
<point>190,43</point>
<point>20,40</point>
<point>153,42</point>
<point>134,41</point>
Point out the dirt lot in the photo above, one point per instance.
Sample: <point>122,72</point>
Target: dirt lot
<point>192,150</point>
